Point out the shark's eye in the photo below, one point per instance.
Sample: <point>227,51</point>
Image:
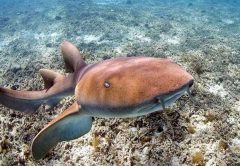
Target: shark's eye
<point>107,84</point>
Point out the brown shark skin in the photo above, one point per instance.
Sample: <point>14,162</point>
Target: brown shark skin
<point>29,101</point>
<point>131,81</point>
<point>119,87</point>
<point>72,57</point>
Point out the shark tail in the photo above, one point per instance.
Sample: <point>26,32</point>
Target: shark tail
<point>57,87</point>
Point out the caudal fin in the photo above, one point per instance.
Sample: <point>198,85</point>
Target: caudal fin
<point>69,125</point>
<point>57,87</point>
<point>26,101</point>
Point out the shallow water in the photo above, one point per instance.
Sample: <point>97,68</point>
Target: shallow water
<point>202,35</point>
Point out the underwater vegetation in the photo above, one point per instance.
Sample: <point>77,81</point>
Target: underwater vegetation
<point>202,36</point>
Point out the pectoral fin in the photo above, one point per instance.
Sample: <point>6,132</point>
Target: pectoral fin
<point>69,125</point>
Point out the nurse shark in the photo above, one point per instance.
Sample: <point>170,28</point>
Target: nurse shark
<point>114,88</point>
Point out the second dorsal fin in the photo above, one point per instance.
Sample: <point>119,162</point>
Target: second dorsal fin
<point>48,77</point>
<point>72,57</point>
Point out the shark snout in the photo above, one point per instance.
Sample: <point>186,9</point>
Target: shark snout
<point>169,98</point>
<point>188,90</point>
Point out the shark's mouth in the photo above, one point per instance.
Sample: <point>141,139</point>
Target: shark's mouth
<point>162,101</point>
<point>171,97</point>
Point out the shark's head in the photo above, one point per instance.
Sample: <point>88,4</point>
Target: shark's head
<point>117,86</point>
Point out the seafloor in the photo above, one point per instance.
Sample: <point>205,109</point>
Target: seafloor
<point>202,35</point>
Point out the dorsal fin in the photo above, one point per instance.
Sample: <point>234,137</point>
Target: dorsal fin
<point>48,77</point>
<point>72,57</point>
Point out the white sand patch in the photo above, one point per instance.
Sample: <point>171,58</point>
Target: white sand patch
<point>174,40</point>
<point>211,162</point>
<point>39,36</point>
<point>197,121</point>
<point>26,34</point>
<point>146,39</point>
<point>1,45</point>
<point>211,149</point>
<point>81,151</point>
<point>237,106</point>
<point>138,35</point>
<point>231,120</point>
<point>103,41</point>
<point>4,44</point>
<point>133,129</point>
<point>81,148</point>
<point>235,141</point>
<point>55,34</point>
<point>201,127</point>
<point>175,161</point>
<point>143,38</point>
<point>90,38</point>
<point>32,35</point>
<point>235,146</point>
<point>39,9</point>
<point>107,2</point>
<point>119,50</point>
<point>228,21</point>
<point>218,90</point>
<point>144,155</point>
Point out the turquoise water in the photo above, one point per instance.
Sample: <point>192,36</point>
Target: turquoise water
<point>187,24</point>
<point>202,35</point>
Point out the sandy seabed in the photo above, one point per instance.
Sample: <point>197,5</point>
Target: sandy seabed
<point>202,36</point>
